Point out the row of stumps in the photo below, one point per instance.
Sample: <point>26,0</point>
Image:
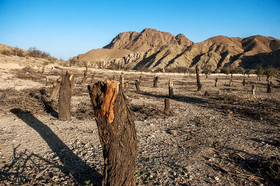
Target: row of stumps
<point>115,124</point>
<point>116,127</point>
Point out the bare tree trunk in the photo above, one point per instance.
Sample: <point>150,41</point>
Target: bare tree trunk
<point>244,82</point>
<point>216,82</point>
<point>55,89</point>
<point>230,82</point>
<point>65,94</point>
<point>117,132</point>
<point>269,87</point>
<point>199,85</point>
<point>92,78</point>
<point>85,76</point>
<point>122,81</point>
<point>137,85</point>
<point>254,87</point>
<point>156,81</point>
<point>170,86</point>
<point>166,106</point>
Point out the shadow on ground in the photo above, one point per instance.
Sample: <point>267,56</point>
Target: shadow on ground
<point>72,164</point>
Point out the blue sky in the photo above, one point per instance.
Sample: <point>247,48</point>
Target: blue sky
<point>66,28</point>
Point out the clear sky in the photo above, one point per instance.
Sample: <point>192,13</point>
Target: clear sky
<point>66,28</point>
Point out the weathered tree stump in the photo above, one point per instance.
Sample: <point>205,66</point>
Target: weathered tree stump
<point>216,82</point>
<point>65,94</point>
<point>269,87</point>
<point>122,81</point>
<point>56,88</point>
<point>156,81</point>
<point>170,87</point>
<point>244,82</point>
<point>117,132</point>
<point>92,79</point>
<point>230,82</point>
<point>85,76</point>
<point>166,106</point>
<point>137,85</point>
<point>254,87</point>
<point>199,85</point>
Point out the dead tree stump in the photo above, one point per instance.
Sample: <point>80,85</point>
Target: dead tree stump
<point>56,88</point>
<point>85,76</point>
<point>137,85</point>
<point>269,87</point>
<point>156,81</point>
<point>117,132</point>
<point>92,79</point>
<point>65,94</point>
<point>216,82</point>
<point>199,85</point>
<point>254,87</point>
<point>230,82</point>
<point>171,92</point>
<point>166,106</point>
<point>122,81</point>
<point>244,82</point>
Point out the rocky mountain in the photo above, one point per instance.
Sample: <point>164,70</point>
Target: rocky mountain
<point>153,50</point>
<point>145,40</point>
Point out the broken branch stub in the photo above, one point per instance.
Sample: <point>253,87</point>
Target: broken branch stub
<point>117,132</point>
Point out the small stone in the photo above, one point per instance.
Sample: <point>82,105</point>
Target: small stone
<point>216,178</point>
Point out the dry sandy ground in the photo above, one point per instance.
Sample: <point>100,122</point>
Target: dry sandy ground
<point>228,137</point>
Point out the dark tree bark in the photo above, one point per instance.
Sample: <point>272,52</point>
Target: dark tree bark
<point>216,82</point>
<point>156,81</point>
<point>199,85</point>
<point>166,106</point>
<point>269,87</point>
<point>137,85</point>
<point>65,94</point>
<point>117,132</point>
<point>55,89</point>
<point>170,87</point>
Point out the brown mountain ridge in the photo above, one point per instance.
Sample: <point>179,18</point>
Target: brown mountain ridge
<point>153,49</point>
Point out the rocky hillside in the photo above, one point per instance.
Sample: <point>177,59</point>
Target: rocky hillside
<point>145,40</point>
<point>153,50</point>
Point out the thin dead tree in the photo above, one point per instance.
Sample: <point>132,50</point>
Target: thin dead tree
<point>166,106</point>
<point>137,85</point>
<point>199,85</point>
<point>269,87</point>
<point>85,76</point>
<point>117,132</point>
<point>155,81</point>
<point>170,87</point>
<point>65,94</point>
<point>55,89</point>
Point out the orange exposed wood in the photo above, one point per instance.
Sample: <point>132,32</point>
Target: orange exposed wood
<point>110,96</point>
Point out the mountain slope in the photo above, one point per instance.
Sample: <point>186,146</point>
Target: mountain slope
<point>153,49</point>
<point>145,40</point>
